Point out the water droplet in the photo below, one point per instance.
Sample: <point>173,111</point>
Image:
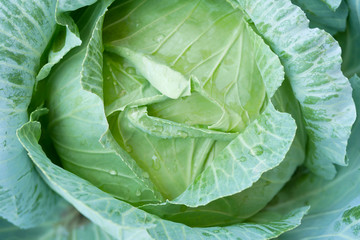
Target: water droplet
<point>159,38</point>
<point>183,134</point>
<point>133,114</point>
<point>188,122</point>
<point>158,128</point>
<point>128,149</point>
<point>337,226</point>
<point>130,70</point>
<point>257,131</point>
<point>113,172</point>
<point>145,175</point>
<point>242,159</point>
<point>116,87</point>
<point>155,162</point>
<point>127,52</point>
<point>122,93</point>
<point>257,150</point>
<point>138,193</point>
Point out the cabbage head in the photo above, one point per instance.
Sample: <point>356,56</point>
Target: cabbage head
<point>179,119</point>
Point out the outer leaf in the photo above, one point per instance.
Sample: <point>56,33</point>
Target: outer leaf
<point>67,36</point>
<point>335,205</point>
<point>26,27</point>
<point>322,17</point>
<point>101,208</point>
<point>349,41</point>
<point>312,61</point>
<point>69,225</point>
<point>124,221</point>
<point>269,225</point>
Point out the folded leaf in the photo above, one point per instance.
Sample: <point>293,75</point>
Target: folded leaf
<point>222,58</point>
<point>244,160</point>
<point>70,224</point>
<point>67,36</point>
<point>311,59</point>
<point>78,125</point>
<point>123,221</point>
<point>335,204</point>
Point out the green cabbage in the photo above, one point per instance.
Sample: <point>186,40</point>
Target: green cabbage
<point>179,119</point>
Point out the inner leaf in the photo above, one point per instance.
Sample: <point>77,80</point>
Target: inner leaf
<point>208,44</point>
<point>181,80</point>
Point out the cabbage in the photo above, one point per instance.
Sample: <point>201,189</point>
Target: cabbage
<point>179,119</point>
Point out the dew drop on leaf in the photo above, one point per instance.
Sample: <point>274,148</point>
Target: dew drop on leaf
<point>155,162</point>
<point>127,52</point>
<point>242,159</point>
<point>183,134</point>
<point>122,93</point>
<point>130,70</point>
<point>159,38</point>
<point>128,149</point>
<point>158,129</point>
<point>145,175</point>
<point>257,150</point>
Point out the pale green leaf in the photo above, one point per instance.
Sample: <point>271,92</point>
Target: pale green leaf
<point>240,206</point>
<point>244,160</point>
<point>312,62</point>
<point>67,36</point>
<point>68,225</point>
<point>124,221</point>
<point>222,58</point>
<point>335,204</point>
<point>172,159</point>
<point>101,208</point>
<point>167,129</point>
<point>78,125</point>
<point>26,27</point>
<point>124,86</point>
